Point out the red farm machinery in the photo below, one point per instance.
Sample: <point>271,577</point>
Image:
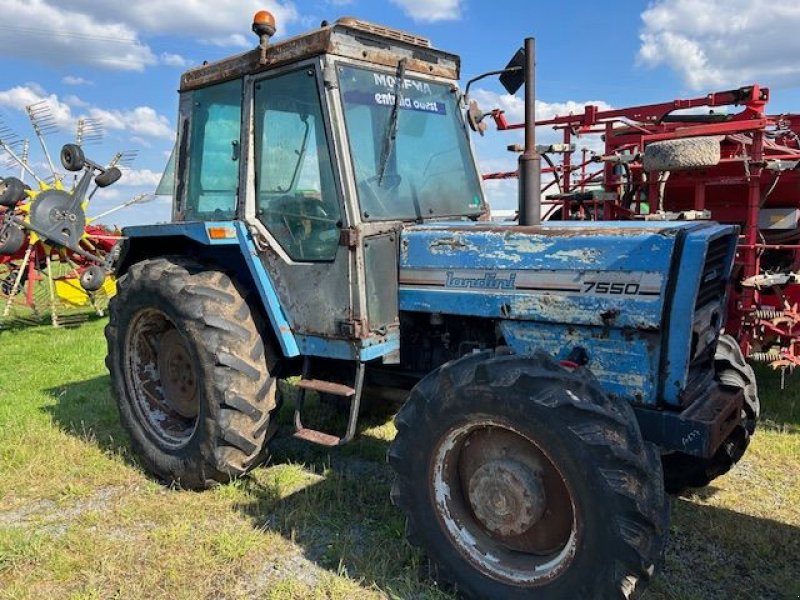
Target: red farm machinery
<point>682,160</point>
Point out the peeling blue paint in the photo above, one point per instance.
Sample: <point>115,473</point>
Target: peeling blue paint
<point>603,286</point>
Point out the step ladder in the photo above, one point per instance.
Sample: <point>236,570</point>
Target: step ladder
<point>328,387</point>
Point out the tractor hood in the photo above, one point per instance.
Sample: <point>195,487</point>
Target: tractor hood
<point>563,272</point>
<point>617,292</point>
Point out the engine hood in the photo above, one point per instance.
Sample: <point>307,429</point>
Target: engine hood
<point>574,273</point>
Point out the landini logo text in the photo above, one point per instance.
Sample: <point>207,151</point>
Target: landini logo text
<point>489,281</point>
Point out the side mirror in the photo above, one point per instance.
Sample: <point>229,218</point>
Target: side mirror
<point>513,76</point>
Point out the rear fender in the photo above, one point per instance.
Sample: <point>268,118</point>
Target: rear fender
<point>224,244</point>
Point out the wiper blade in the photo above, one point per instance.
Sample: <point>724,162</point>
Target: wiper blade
<point>391,130</point>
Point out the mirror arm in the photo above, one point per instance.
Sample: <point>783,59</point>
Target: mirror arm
<point>485,75</point>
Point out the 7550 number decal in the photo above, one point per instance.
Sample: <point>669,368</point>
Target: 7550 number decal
<point>615,288</point>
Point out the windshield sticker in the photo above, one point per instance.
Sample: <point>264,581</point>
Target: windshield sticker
<point>383,91</point>
<point>387,99</point>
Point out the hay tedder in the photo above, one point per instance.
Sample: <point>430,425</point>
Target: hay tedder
<point>53,258</point>
<point>682,160</point>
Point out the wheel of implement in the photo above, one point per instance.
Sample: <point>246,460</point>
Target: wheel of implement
<point>7,282</point>
<point>189,371</point>
<point>92,278</point>
<point>12,238</point>
<point>108,177</point>
<point>521,479</point>
<point>72,157</point>
<point>682,471</point>
<point>12,191</point>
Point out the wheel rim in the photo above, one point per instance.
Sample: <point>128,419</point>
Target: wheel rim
<point>504,503</point>
<point>162,378</point>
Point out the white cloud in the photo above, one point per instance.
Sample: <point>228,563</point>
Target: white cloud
<point>24,95</point>
<point>141,120</point>
<point>112,37</point>
<point>75,101</point>
<point>514,106</point>
<point>173,60</point>
<point>233,40</point>
<point>723,43</point>
<point>73,80</point>
<point>80,38</point>
<point>194,18</point>
<point>430,10</point>
<point>140,177</point>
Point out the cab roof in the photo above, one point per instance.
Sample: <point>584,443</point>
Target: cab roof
<point>347,37</point>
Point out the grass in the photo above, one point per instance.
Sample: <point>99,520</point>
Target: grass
<point>79,518</point>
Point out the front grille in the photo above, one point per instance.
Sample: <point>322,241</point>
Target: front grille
<point>715,270</point>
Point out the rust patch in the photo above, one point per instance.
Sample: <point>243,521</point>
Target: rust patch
<point>313,43</point>
<point>449,245</point>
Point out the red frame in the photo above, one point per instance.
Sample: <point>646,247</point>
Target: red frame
<point>766,321</point>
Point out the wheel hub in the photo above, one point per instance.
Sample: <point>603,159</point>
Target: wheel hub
<point>506,496</point>
<point>59,219</point>
<point>177,374</point>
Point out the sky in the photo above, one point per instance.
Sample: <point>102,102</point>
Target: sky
<point>119,64</point>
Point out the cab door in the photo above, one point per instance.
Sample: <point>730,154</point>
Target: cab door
<point>295,203</point>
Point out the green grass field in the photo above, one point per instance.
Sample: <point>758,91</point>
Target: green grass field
<point>80,519</point>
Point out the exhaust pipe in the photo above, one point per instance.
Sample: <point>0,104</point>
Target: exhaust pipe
<point>530,168</point>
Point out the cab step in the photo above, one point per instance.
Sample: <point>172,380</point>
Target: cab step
<point>328,387</point>
<point>317,437</point>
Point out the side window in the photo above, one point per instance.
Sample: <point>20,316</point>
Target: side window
<point>214,152</point>
<point>296,191</point>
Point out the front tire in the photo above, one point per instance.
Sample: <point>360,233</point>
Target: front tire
<point>189,372</point>
<point>521,479</point>
<point>682,471</point>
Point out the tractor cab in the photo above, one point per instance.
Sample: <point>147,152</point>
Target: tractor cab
<point>320,146</point>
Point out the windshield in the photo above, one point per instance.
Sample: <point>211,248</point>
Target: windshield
<point>429,171</point>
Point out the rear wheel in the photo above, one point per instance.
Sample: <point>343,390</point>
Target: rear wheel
<point>189,372</point>
<point>682,471</point>
<point>521,479</point>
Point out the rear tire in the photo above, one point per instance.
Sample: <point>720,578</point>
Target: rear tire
<point>682,471</point>
<point>189,372</point>
<point>521,479</point>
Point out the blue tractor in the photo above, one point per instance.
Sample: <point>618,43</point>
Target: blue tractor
<point>329,223</point>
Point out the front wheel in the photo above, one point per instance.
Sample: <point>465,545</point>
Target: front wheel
<point>521,479</point>
<point>682,471</point>
<point>189,372</point>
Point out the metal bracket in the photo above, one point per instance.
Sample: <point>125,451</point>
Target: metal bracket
<point>349,238</point>
<point>352,328</point>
